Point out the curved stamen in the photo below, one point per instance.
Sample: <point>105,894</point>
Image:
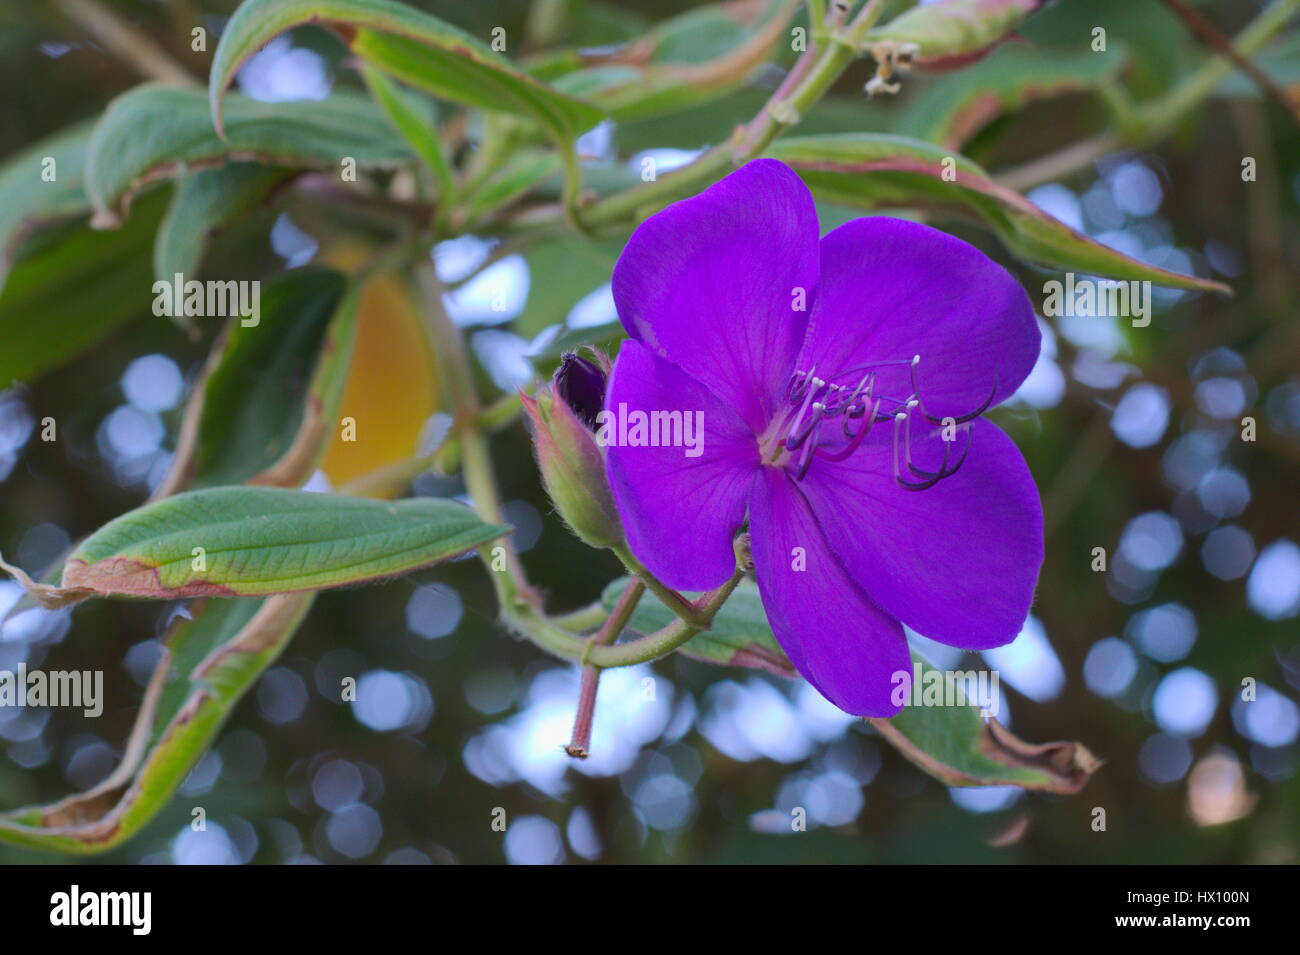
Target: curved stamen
<point>900,421</point>
<point>881,364</point>
<point>794,391</point>
<point>859,410</point>
<point>813,400</point>
<point>931,477</point>
<point>869,381</point>
<point>855,438</point>
<point>805,459</point>
<point>943,471</point>
<point>796,436</point>
<point>835,403</point>
<point>962,419</point>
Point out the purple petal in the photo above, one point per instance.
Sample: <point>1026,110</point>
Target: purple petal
<point>834,635</point>
<point>956,562</point>
<point>710,284</point>
<point>679,512</point>
<point>892,289</point>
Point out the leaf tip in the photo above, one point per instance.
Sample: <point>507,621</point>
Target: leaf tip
<point>47,595</point>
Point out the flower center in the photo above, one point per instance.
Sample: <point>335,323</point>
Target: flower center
<point>805,429</point>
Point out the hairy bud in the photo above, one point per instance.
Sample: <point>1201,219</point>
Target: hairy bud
<point>572,465</point>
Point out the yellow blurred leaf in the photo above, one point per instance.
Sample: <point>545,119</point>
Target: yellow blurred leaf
<point>392,388</point>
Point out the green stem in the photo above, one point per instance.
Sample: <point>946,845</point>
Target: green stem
<point>623,205</point>
<point>572,193</point>
<point>423,140</point>
<point>396,474</point>
<point>584,618</point>
<point>462,399</point>
<point>617,620</point>
<point>545,23</point>
<point>389,259</point>
<point>520,604</point>
<point>671,599</point>
<point>828,61</point>
<point>817,20</point>
<point>547,634</point>
<point>495,417</point>
<point>1152,121</point>
<point>1161,115</point>
<point>501,412</point>
<point>1123,111</point>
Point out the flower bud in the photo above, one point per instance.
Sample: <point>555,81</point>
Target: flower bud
<point>581,384</point>
<point>572,465</point>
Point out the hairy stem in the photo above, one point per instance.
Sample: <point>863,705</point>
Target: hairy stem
<point>580,744</point>
<point>530,622</point>
<point>584,618</point>
<point>674,601</point>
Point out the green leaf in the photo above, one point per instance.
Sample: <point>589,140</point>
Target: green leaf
<point>1165,51</point>
<point>265,407</point>
<point>202,204</point>
<point>957,746</point>
<point>154,131</point>
<point>696,57</point>
<point>951,109</point>
<point>524,171</point>
<point>72,288</point>
<point>740,635</point>
<point>571,339</point>
<point>457,74</point>
<point>409,44</point>
<point>254,541</point>
<point>878,171</point>
<point>574,267</point>
<point>28,200</point>
<point>952,33</point>
<point>416,127</point>
<point>209,663</point>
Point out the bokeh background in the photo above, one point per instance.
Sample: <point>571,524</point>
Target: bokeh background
<point>1134,436</point>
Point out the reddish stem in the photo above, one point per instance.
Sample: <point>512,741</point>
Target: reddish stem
<point>580,745</point>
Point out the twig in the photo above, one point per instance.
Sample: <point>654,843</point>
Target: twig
<point>1153,120</point>
<point>1213,37</point>
<point>132,46</point>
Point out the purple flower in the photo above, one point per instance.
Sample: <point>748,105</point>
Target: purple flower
<point>841,382</point>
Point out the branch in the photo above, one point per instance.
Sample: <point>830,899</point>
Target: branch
<point>1155,119</point>
<point>1210,35</point>
<point>132,46</point>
